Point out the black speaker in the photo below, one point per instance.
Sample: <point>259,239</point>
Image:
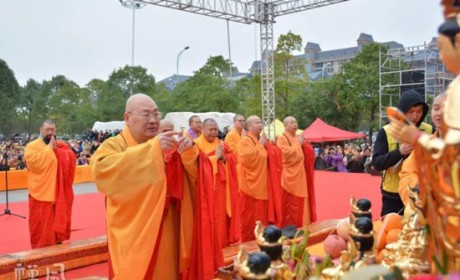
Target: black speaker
<point>413,80</point>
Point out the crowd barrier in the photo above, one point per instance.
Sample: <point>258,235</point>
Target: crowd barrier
<point>17,179</point>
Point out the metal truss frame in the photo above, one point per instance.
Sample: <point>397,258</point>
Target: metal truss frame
<point>392,67</point>
<point>263,12</point>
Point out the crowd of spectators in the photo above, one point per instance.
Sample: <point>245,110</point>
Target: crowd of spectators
<point>351,158</point>
<point>12,150</point>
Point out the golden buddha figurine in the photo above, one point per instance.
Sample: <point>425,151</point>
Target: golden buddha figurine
<point>337,272</point>
<point>439,158</point>
<point>252,266</point>
<point>411,256</point>
<point>270,241</point>
<point>360,208</point>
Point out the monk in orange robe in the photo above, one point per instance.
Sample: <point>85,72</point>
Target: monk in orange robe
<point>253,179</point>
<point>224,181</point>
<point>146,239</point>
<point>294,180</point>
<point>51,166</point>
<point>234,136</point>
<point>195,125</point>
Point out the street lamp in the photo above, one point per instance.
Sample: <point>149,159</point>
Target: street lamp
<point>177,62</point>
<point>131,4</point>
<point>324,67</point>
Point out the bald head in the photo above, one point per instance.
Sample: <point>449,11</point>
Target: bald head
<point>142,117</point>
<point>48,130</point>
<point>135,100</point>
<point>288,119</point>
<point>165,126</point>
<point>254,124</point>
<point>290,125</point>
<point>210,130</point>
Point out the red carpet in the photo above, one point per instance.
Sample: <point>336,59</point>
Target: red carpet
<point>333,191</point>
<point>88,220</point>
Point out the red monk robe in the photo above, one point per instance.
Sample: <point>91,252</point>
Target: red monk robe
<point>259,188</point>
<point>132,176</point>
<point>309,163</point>
<point>294,181</point>
<point>207,255</point>
<point>225,185</point>
<point>50,181</point>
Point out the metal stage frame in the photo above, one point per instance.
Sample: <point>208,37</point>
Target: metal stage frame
<point>261,12</point>
<point>417,67</point>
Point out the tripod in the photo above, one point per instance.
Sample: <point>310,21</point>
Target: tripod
<point>7,209</point>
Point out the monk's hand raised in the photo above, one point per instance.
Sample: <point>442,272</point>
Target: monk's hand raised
<point>167,141</point>
<point>185,143</point>
<point>300,138</point>
<point>263,139</point>
<point>220,151</point>
<point>53,142</point>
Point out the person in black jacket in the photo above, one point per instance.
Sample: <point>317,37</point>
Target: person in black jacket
<point>389,154</point>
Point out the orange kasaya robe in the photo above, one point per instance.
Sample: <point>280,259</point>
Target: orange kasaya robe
<point>225,185</point>
<point>133,178</point>
<point>294,181</point>
<point>232,139</point>
<point>258,187</point>
<point>309,163</point>
<point>50,181</point>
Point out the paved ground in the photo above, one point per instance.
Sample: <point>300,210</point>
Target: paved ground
<point>22,195</point>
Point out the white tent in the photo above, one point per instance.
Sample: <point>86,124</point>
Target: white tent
<point>180,119</point>
<point>113,125</point>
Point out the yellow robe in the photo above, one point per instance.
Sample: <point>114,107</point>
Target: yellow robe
<point>42,167</point>
<point>232,139</point>
<point>252,172</point>
<point>132,176</point>
<point>293,181</point>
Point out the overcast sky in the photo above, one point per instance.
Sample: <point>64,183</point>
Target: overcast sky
<point>86,39</point>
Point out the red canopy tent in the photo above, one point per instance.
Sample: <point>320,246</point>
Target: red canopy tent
<point>319,131</point>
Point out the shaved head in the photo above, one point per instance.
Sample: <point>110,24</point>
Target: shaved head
<point>165,126</point>
<point>48,130</point>
<point>290,125</point>
<point>208,122</point>
<point>142,117</point>
<point>254,125</point>
<point>210,130</point>
<point>287,119</point>
<point>137,99</point>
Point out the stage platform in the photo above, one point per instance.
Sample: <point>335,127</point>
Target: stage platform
<point>333,191</point>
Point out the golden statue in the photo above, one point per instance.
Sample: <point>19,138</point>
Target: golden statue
<point>252,266</point>
<point>270,241</point>
<point>409,253</point>
<point>360,251</point>
<point>337,272</point>
<point>439,158</point>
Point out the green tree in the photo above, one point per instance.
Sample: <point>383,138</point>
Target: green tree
<point>10,98</point>
<point>128,77</point>
<point>31,111</point>
<point>362,78</point>
<point>108,104</point>
<point>290,74</point>
<point>331,101</point>
<point>208,89</point>
<point>64,101</point>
